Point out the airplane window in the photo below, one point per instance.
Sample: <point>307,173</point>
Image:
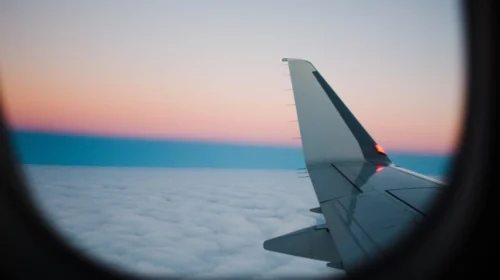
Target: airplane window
<point>229,138</point>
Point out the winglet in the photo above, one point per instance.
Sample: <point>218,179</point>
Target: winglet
<point>329,131</point>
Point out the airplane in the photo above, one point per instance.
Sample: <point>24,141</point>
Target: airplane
<point>368,202</point>
<point>452,246</point>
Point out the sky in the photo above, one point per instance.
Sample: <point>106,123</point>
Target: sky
<point>210,71</point>
<point>61,149</point>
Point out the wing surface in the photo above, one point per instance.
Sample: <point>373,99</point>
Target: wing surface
<point>368,202</point>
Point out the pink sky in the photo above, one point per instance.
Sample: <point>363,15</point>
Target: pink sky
<point>216,76</point>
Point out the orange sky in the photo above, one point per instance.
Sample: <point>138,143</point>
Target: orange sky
<point>170,71</point>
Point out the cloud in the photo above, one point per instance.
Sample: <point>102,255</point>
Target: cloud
<point>184,222</point>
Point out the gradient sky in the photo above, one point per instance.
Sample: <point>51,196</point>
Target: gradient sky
<point>210,70</point>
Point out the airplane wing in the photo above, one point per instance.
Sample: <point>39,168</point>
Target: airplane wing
<point>368,202</point>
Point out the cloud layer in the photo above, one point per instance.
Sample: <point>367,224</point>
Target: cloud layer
<point>185,222</point>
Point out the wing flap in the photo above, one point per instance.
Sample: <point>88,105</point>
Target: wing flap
<point>363,227</point>
<point>420,199</point>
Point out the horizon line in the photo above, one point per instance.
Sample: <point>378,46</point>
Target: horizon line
<point>201,141</point>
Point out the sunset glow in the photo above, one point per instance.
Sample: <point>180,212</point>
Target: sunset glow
<point>171,71</point>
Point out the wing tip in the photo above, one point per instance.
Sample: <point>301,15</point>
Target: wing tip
<point>286,59</point>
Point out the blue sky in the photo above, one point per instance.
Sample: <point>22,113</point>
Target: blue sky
<point>65,149</point>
